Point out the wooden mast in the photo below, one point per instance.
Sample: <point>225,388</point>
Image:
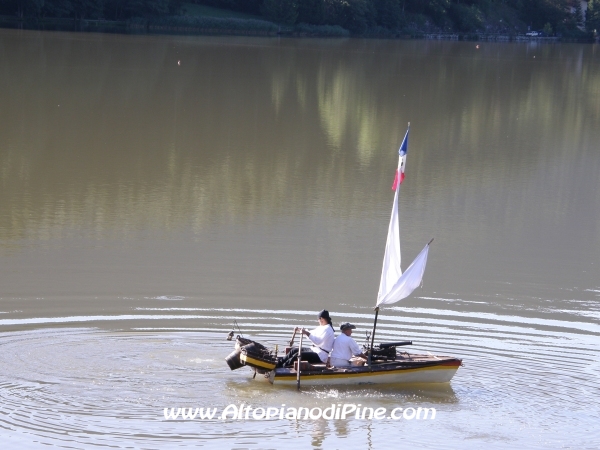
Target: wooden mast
<point>373,335</point>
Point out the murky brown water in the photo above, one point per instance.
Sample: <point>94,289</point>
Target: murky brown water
<point>155,189</point>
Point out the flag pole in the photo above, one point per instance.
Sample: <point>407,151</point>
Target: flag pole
<point>373,336</point>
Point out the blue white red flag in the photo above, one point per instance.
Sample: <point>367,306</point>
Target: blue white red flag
<point>401,162</point>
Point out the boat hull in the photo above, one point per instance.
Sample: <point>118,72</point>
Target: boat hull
<point>440,371</point>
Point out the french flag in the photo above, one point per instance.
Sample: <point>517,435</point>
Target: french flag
<point>399,178</point>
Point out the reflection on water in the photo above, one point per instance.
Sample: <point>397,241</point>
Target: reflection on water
<point>154,189</point>
<point>114,132</point>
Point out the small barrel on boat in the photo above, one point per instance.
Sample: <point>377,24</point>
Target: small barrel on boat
<point>233,359</point>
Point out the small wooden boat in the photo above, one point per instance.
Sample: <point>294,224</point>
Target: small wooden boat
<point>388,366</point>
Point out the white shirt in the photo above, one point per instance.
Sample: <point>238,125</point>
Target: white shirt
<point>322,338</point>
<point>345,348</point>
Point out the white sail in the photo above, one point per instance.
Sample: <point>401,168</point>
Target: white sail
<point>394,285</point>
<point>408,281</point>
<point>391,271</point>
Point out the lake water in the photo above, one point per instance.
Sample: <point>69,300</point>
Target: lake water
<point>155,189</point>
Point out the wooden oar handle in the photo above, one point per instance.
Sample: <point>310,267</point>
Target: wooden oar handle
<point>293,337</point>
<point>299,362</point>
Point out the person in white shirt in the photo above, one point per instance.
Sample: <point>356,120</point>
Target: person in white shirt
<point>322,339</point>
<point>344,347</point>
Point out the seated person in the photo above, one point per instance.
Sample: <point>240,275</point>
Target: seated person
<point>322,338</point>
<point>344,347</point>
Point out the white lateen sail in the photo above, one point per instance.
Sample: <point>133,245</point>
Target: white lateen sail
<point>395,285</point>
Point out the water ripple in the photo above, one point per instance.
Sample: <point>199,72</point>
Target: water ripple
<point>92,387</point>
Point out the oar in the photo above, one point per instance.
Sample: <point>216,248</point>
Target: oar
<point>293,337</point>
<point>299,359</point>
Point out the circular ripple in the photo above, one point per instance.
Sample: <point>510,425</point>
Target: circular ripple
<point>92,387</point>
<point>87,387</point>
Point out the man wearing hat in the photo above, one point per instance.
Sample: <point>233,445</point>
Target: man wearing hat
<point>344,347</point>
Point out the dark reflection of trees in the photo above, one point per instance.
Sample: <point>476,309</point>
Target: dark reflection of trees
<point>118,133</point>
